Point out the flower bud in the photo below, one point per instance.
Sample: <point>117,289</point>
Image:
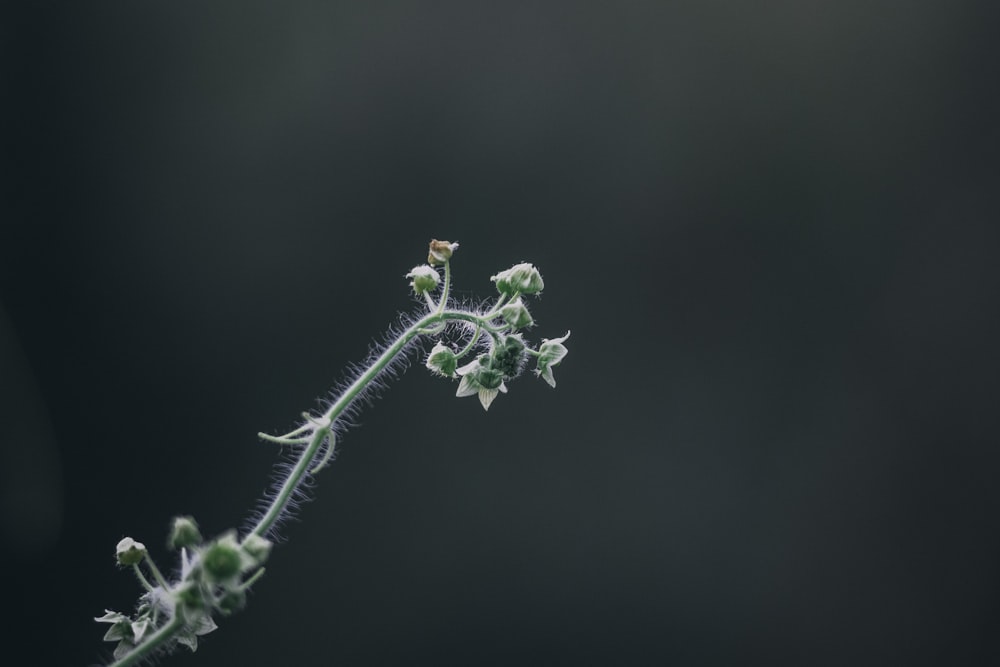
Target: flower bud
<point>184,533</point>
<point>516,314</point>
<point>232,601</point>
<point>222,560</point>
<point>130,552</point>
<point>424,278</point>
<point>508,356</point>
<point>257,547</point>
<point>442,361</point>
<point>440,252</point>
<point>519,279</point>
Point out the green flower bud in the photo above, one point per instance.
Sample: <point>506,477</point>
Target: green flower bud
<point>442,360</point>
<point>424,278</point>
<point>183,533</point>
<point>232,601</point>
<point>130,552</point>
<point>519,279</point>
<point>508,356</point>
<point>440,252</point>
<point>191,596</point>
<point>516,314</point>
<point>257,548</point>
<point>222,560</point>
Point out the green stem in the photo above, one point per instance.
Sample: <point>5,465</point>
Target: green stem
<point>496,308</point>
<point>252,579</point>
<point>151,643</point>
<point>298,472</point>
<point>472,342</point>
<point>142,578</point>
<point>157,575</point>
<point>446,288</point>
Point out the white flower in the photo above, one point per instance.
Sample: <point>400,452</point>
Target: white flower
<point>478,379</point>
<point>550,353</point>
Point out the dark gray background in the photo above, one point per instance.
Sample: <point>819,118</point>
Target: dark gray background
<point>771,226</point>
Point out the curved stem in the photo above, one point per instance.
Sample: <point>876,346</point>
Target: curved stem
<point>472,342</point>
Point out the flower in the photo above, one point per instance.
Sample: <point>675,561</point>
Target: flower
<point>121,626</point>
<point>550,353</point>
<point>519,279</point>
<point>442,361</point>
<point>424,278</point>
<point>478,378</point>
<point>440,252</point>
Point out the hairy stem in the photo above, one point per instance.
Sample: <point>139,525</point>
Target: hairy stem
<point>280,501</point>
<point>150,644</point>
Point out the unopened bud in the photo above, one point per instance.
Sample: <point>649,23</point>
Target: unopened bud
<point>183,533</point>
<point>257,547</point>
<point>519,279</point>
<point>130,552</point>
<point>440,252</point>
<point>222,560</point>
<point>516,314</point>
<point>424,278</point>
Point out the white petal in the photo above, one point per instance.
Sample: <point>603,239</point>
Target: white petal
<point>486,397</point>
<point>139,629</point>
<point>467,387</point>
<point>468,368</point>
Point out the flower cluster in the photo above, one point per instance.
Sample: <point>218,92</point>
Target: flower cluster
<point>486,376</point>
<point>214,578</point>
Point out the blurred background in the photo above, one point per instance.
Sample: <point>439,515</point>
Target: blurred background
<point>771,227</point>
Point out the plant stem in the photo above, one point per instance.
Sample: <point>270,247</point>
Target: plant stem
<point>298,472</point>
<point>157,575</point>
<point>446,288</point>
<point>142,578</point>
<point>150,644</point>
